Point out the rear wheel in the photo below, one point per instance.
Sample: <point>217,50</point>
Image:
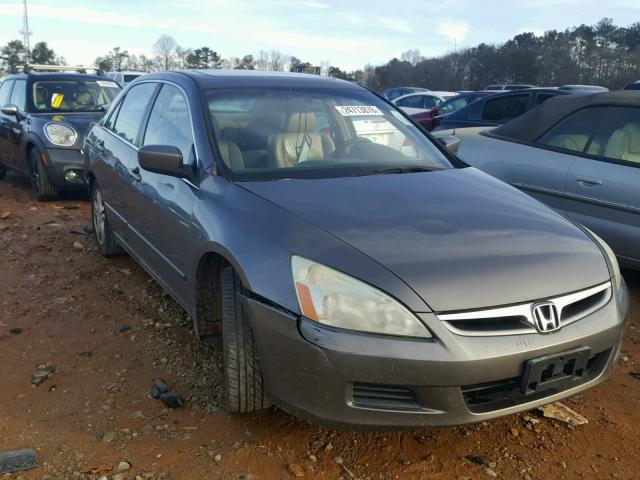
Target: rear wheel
<point>106,240</point>
<point>41,186</point>
<point>244,390</point>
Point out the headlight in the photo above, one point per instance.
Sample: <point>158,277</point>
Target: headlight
<point>613,261</point>
<point>333,298</point>
<point>60,134</point>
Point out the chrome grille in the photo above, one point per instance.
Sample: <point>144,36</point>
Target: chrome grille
<point>518,319</point>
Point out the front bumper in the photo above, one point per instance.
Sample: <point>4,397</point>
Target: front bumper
<point>60,161</point>
<point>320,374</point>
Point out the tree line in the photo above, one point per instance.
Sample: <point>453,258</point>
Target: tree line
<point>601,54</point>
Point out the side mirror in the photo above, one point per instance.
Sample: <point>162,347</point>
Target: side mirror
<point>11,110</point>
<point>450,142</point>
<point>164,159</point>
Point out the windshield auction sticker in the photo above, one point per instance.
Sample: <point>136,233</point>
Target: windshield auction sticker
<point>358,110</point>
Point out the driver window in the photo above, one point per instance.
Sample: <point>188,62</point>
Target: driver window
<point>170,123</point>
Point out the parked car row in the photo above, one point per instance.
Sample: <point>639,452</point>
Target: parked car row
<point>333,244</point>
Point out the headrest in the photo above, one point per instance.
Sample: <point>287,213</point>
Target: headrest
<point>84,98</point>
<point>302,122</point>
<point>633,130</point>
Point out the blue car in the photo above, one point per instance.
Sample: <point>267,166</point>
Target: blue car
<point>42,125</point>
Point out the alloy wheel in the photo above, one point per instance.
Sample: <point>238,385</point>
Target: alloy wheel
<point>99,218</point>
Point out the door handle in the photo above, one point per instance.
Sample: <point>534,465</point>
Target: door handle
<point>135,172</point>
<point>588,181</point>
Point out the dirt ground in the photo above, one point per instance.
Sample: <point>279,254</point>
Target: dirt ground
<point>105,330</point>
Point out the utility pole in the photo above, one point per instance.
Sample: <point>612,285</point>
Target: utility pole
<point>25,32</point>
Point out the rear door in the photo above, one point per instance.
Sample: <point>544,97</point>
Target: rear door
<point>603,186</point>
<point>162,204</point>
<point>114,149</point>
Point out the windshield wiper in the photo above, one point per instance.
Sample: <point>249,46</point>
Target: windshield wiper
<point>397,170</point>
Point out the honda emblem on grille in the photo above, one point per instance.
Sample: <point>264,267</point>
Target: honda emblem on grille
<point>545,317</point>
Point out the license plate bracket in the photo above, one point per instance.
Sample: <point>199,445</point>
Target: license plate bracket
<point>556,371</point>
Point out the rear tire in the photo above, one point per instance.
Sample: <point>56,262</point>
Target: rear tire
<point>41,186</point>
<point>243,385</point>
<point>106,240</point>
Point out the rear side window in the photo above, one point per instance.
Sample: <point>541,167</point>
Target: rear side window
<point>415,101</point>
<point>573,133</point>
<point>19,95</point>
<point>170,123</point>
<point>505,108</point>
<point>131,111</point>
<point>5,90</point>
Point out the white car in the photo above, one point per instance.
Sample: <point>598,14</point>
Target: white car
<point>421,101</point>
<point>124,77</point>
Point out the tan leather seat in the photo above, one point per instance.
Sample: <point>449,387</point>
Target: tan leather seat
<point>300,143</point>
<point>231,155</point>
<point>624,144</point>
<point>230,152</point>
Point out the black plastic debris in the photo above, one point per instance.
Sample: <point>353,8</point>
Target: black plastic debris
<point>172,400</point>
<point>158,387</point>
<point>160,391</point>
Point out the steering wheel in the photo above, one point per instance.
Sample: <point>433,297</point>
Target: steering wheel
<point>346,146</point>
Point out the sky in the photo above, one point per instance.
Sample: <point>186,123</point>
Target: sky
<point>346,33</point>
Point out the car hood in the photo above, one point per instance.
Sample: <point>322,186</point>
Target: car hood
<point>459,238</point>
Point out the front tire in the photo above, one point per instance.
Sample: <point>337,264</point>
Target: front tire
<point>41,186</point>
<point>106,240</point>
<point>244,389</point>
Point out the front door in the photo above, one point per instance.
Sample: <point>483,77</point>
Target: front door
<point>163,205</point>
<point>5,121</point>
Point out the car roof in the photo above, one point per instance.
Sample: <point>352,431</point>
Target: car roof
<point>421,94</point>
<point>55,76</point>
<point>222,78</point>
<point>532,124</point>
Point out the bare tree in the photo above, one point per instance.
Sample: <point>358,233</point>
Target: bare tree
<point>165,49</point>
<point>412,56</point>
<point>278,62</point>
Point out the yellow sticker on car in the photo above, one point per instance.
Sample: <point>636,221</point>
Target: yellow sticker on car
<point>57,118</point>
<point>56,100</point>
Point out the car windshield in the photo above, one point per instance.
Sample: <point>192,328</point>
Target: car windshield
<point>73,95</point>
<point>302,133</point>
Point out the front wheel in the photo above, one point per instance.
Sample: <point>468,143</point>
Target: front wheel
<point>107,241</point>
<point>41,186</point>
<point>244,389</point>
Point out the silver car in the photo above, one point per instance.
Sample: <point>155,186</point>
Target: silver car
<point>578,154</point>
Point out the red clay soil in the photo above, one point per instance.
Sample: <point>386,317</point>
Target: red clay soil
<point>107,330</point>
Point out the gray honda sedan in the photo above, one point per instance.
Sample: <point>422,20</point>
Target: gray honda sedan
<point>357,272</point>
